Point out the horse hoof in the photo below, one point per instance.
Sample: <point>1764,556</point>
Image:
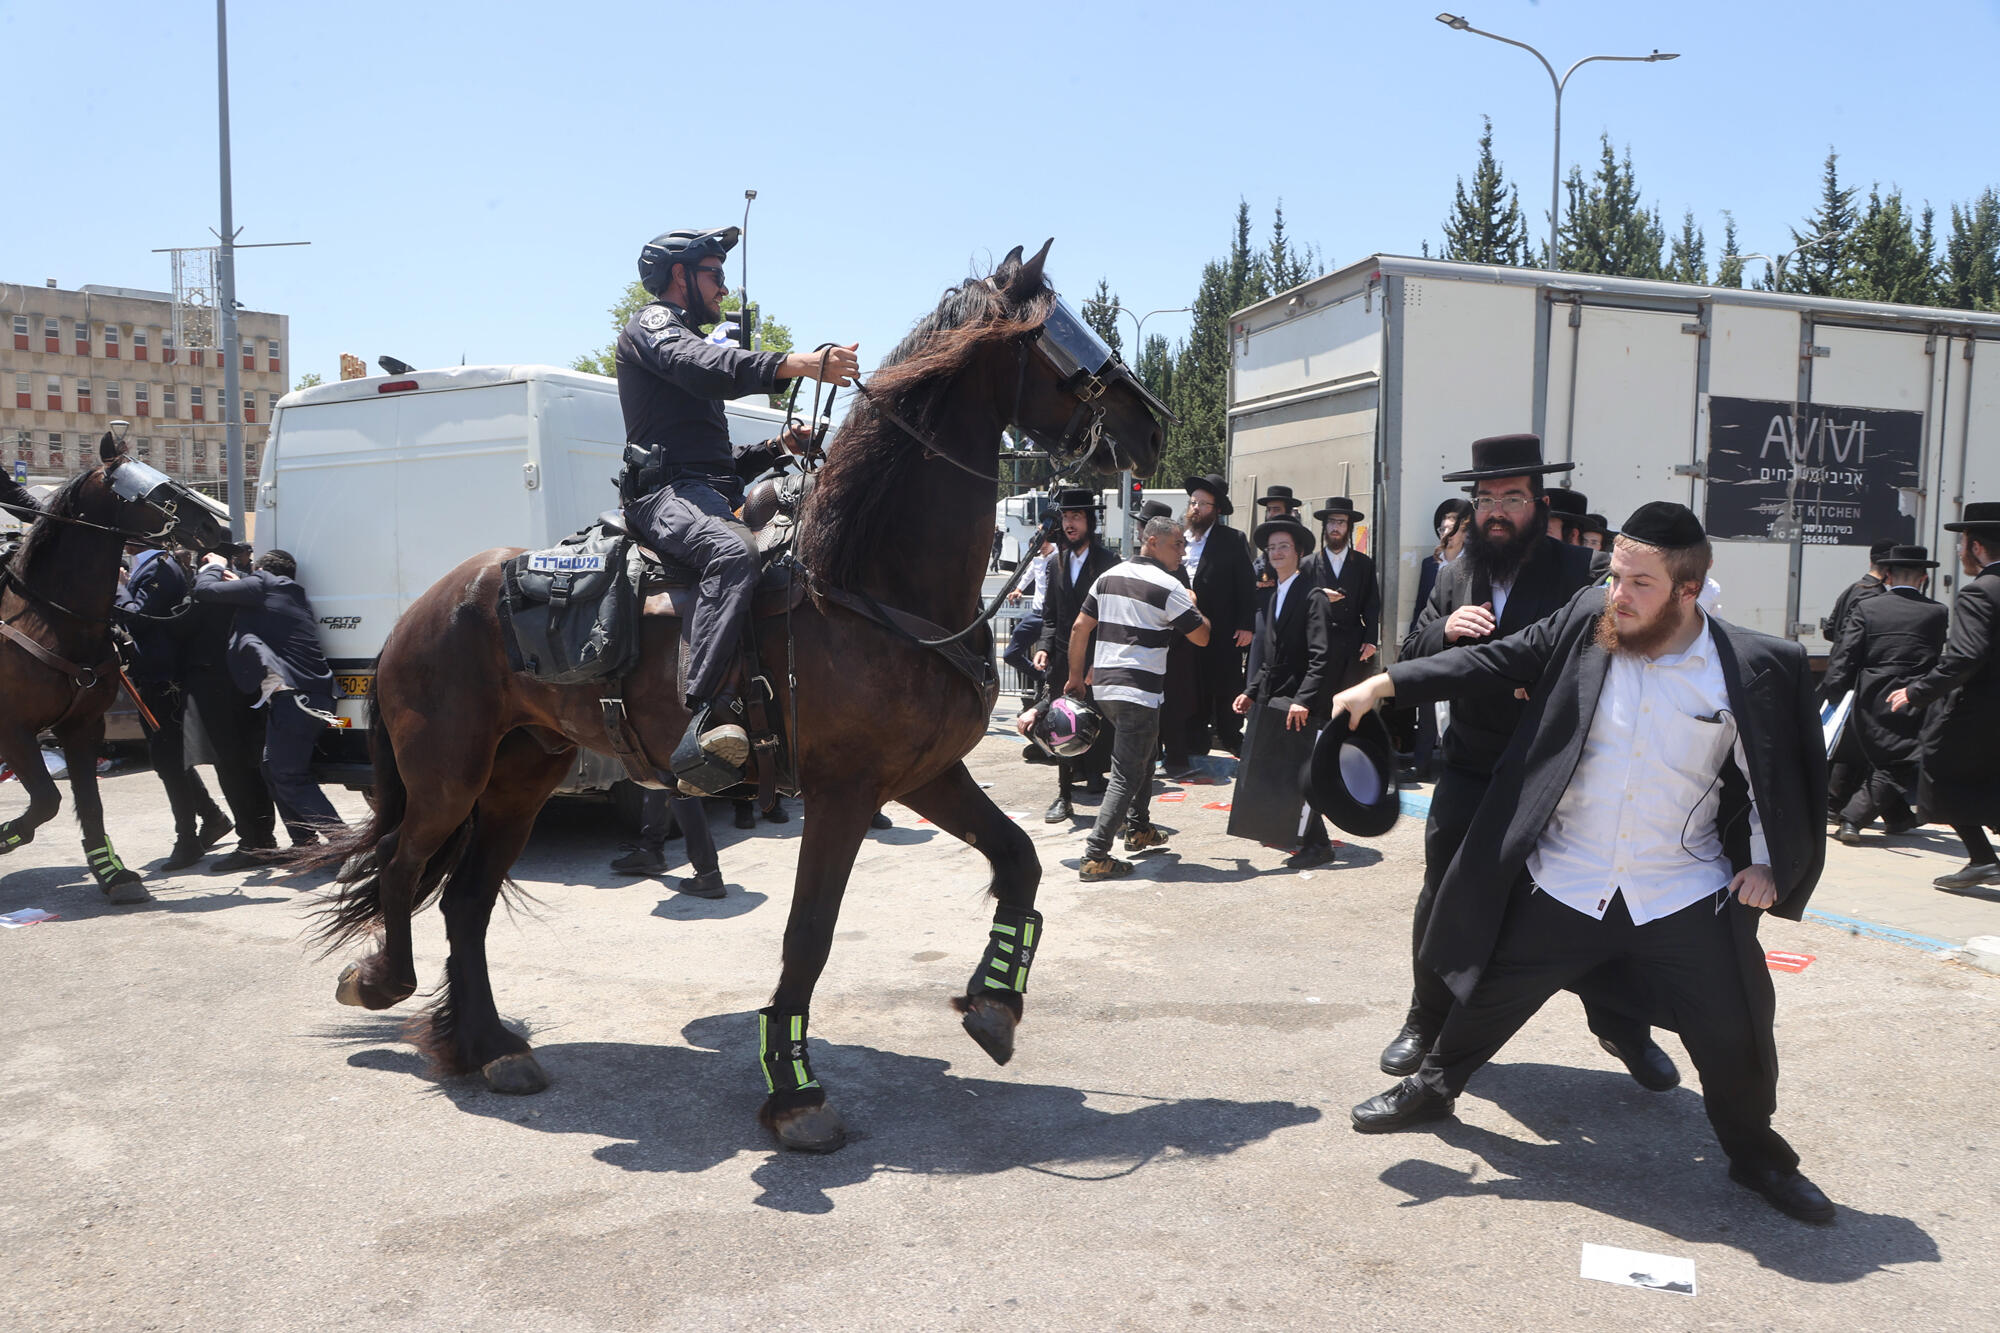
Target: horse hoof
<point>354,988</point>
<point>347,990</point>
<point>124,892</point>
<point>517,1075</point>
<point>809,1128</point>
<point>991,1023</point>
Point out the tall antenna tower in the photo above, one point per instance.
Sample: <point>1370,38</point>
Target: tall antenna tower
<point>197,297</point>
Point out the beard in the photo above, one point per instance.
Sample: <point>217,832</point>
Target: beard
<point>1500,552</point>
<point>1333,544</point>
<point>1078,543</point>
<point>1198,529</point>
<point>1646,637</point>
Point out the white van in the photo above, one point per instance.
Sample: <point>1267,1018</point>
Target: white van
<point>380,486</point>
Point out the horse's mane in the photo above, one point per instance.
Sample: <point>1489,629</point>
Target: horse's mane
<point>67,502</point>
<point>857,488</point>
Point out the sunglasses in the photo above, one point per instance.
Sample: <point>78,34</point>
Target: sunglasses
<point>715,272</point>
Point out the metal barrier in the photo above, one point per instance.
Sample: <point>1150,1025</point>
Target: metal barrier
<point>1013,683</point>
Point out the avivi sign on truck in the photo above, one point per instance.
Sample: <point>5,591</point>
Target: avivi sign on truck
<point>1851,467</point>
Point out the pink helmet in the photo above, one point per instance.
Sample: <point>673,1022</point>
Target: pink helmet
<point>1066,727</point>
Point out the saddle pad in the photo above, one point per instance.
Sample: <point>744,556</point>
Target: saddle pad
<point>570,613</point>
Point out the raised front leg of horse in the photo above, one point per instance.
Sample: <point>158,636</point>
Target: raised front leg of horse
<point>796,1108</point>
<point>82,741</point>
<point>19,752</point>
<point>993,999</point>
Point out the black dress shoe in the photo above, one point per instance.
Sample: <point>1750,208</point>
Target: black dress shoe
<point>708,884</point>
<point>746,814</point>
<point>1408,1103</point>
<point>1848,835</point>
<point>777,814</point>
<point>1787,1191</point>
<point>1651,1068</point>
<point>1059,811</point>
<point>1402,1056</point>
<point>183,855</point>
<point>1310,855</point>
<point>213,830</point>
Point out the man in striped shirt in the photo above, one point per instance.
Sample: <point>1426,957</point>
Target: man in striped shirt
<point>1135,610</point>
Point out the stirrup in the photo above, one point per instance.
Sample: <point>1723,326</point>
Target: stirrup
<point>711,756</point>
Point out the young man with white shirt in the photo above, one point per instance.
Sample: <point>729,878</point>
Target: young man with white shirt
<point>1664,792</point>
<point>1346,578</point>
<point>1133,612</point>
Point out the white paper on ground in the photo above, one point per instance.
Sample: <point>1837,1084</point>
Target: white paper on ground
<point>1636,1268</point>
<point>27,916</point>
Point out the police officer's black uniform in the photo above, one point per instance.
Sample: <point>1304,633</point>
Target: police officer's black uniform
<point>681,501</point>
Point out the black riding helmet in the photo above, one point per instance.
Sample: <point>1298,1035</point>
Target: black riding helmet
<point>687,246</point>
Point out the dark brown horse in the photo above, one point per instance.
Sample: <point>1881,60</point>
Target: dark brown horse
<point>58,671</point>
<point>466,751</point>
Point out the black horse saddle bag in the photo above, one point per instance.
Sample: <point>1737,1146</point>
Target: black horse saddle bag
<point>570,613</point>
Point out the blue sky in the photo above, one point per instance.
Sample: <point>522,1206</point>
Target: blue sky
<point>476,179</point>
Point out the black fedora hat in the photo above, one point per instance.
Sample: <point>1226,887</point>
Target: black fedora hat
<point>1595,523</point>
<point>1214,484</point>
<point>1351,779</point>
<point>1507,456</point>
<point>1339,504</point>
<point>1280,495</point>
<point>1880,549</point>
<point>1981,518</point>
<point>1077,497</point>
<point>1907,557</point>
<point>1572,505</point>
<point>1152,509</point>
<point>1302,536</point>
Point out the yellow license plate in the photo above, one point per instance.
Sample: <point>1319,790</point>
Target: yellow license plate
<point>355,687</point>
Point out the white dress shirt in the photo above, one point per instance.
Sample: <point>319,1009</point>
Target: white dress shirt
<point>1336,562</point>
<point>1278,597</point>
<point>1191,561</point>
<point>1038,574</point>
<point>1076,560</point>
<point>1500,591</point>
<point>1639,815</point>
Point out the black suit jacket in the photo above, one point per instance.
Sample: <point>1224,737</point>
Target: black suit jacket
<point>1835,624</point>
<point>1890,641</point>
<point>1224,587</point>
<point>1294,654</point>
<point>1961,695</point>
<point>274,633</point>
<point>1483,721</point>
<point>1560,663</point>
<point>1060,604</point>
<point>1357,616</point>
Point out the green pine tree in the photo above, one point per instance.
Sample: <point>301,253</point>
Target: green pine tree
<point>1689,259</point>
<point>1606,229</point>
<point>1486,225</point>
<point>1971,271</point>
<point>1824,264</point>
<point>1889,264</point>
<point>1100,311</point>
<point>1729,272</point>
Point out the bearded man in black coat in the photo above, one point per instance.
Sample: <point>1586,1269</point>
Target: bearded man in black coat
<point>1661,793</point>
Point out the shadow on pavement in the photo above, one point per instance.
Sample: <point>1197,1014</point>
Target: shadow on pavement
<point>1649,1159</point>
<point>688,907</point>
<point>73,895</point>
<point>687,1109</point>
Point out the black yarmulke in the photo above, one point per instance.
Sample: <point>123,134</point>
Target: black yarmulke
<point>1663,523</point>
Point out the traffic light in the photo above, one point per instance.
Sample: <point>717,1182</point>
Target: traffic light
<point>746,324</point>
<point>1137,496</point>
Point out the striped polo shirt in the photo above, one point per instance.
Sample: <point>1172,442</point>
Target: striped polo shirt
<point>1139,607</point>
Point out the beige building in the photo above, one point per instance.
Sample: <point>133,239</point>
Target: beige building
<point>71,362</point>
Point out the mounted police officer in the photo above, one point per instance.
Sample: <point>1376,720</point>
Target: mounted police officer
<point>684,479</point>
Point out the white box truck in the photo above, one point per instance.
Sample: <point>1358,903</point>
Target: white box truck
<point>380,486</point>
<point>1875,421</point>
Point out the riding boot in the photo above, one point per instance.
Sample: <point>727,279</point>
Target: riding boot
<point>710,758</point>
<point>1059,811</point>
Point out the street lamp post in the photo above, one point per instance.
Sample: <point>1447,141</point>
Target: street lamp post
<point>1459,24</point>
<point>1138,350</point>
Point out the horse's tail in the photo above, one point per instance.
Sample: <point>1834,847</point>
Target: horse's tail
<point>352,907</point>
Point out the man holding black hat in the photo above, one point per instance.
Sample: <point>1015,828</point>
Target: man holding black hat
<point>1510,576</point>
<point>1890,641</point>
<point>1649,816</point>
<point>1961,699</point>
<point>1345,579</point>
<point>1225,588</point>
<point>1068,578</point>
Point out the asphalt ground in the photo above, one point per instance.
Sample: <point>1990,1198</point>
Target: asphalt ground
<point>195,1136</point>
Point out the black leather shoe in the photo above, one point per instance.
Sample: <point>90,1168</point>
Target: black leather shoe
<point>1651,1068</point>
<point>1308,856</point>
<point>708,884</point>
<point>1408,1103</point>
<point>746,814</point>
<point>1787,1191</point>
<point>1967,877</point>
<point>213,830</point>
<point>183,855</point>
<point>1059,811</point>
<point>1848,835</point>
<point>777,814</point>
<point>710,758</point>
<point>1402,1056</point>
<point>640,861</point>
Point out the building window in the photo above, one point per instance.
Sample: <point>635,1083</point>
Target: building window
<point>167,401</point>
<point>166,345</point>
<point>145,449</point>
<point>142,399</point>
<point>111,340</point>
<point>55,393</point>
<point>195,408</point>
<point>138,344</point>
<point>83,395</point>
<point>250,355</point>
<point>55,449</point>
<point>51,335</point>
<point>171,451</point>
<point>272,403</point>
<point>24,391</point>
<point>271,350</point>
<point>200,453</point>
<point>20,333</point>
<point>83,337</point>
<point>112,390</point>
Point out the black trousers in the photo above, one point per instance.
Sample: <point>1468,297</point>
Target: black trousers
<point>1610,1001</point>
<point>289,733</point>
<point>657,810</point>
<point>1218,679</point>
<point>1688,960</point>
<point>1849,770</point>
<point>1020,652</point>
<point>1882,793</point>
<point>691,521</point>
<point>187,798</point>
<point>235,733</point>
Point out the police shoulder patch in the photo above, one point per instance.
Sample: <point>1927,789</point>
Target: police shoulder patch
<point>654,318</point>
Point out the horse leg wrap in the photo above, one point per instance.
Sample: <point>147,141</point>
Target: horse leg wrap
<point>788,1076</point>
<point>1010,951</point>
<point>12,836</point>
<point>104,863</point>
